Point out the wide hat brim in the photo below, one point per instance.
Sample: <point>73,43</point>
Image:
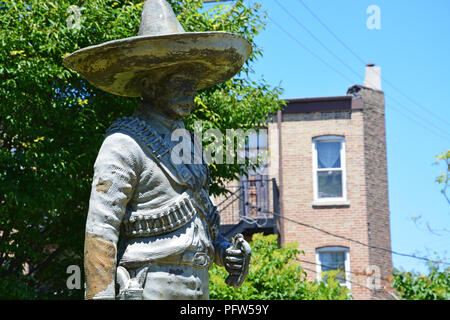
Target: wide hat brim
<point>118,66</point>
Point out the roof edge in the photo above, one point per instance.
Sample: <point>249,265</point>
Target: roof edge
<point>323,104</point>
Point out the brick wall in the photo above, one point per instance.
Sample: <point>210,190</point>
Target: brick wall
<point>376,177</point>
<point>365,216</point>
<point>350,221</point>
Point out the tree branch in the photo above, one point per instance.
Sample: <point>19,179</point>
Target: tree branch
<point>46,262</point>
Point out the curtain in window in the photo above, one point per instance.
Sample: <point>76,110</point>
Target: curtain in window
<point>329,154</point>
<point>332,260</point>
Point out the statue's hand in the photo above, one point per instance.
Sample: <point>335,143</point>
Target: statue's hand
<point>237,261</point>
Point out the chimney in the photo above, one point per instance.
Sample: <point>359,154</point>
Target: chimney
<point>373,77</point>
<point>375,168</point>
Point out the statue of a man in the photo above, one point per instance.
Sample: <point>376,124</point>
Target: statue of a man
<point>152,231</point>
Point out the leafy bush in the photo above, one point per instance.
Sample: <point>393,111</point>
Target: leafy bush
<point>52,124</point>
<point>274,275</point>
<point>416,286</point>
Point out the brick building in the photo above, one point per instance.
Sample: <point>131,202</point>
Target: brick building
<point>327,170</point>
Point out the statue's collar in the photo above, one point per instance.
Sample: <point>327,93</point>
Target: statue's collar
<point>165,121</point>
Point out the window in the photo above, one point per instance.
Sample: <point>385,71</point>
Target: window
<point>329,169</point>
<point>256,150</point>
<point>334,259</point>
<point>254,200</point>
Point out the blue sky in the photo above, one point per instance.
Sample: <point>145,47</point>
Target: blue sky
<point>413,49</point>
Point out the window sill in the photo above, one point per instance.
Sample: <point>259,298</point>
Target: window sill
<point>331,204</point>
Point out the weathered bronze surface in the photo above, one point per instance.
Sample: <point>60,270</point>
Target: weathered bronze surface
<point>100,264</point>
<point>152,230</point>
<point>160,47</point>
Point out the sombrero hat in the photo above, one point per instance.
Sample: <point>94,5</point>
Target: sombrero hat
<point>161,47</point>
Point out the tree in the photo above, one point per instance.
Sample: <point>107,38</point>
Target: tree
<point>274,275</point>
<point>435,285</point>
<point>444,178</point>
<point>416,286</point>
<point>52,124</point>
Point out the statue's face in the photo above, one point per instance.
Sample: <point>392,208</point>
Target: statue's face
<point>179,96</point>
<point>174,95</point>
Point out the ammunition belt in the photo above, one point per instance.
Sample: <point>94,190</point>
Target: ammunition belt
<point>156,147</point>
<point>172,218</point>
<point>175,217</point>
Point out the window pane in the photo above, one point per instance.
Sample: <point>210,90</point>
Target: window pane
<point>256,151</point>
<point>333,261</point>
<point>262,139</point>
<point>328,154</point>
<point>252,141</point>
<point>330,184</point>
<point>339,276</point>
<point>257,140</point>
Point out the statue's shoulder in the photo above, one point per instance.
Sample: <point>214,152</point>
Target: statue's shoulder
<point>128,125</point>
<point>148,138</point>
<point>116,135</point>
<point>121,142</point>
<point>132,127</point>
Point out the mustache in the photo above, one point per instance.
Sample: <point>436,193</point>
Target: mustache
<point>184,102</point>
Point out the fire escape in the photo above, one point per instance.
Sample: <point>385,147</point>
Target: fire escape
<point>249,208</point>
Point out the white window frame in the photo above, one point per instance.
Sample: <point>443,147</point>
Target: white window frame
<point>260,151</point>
<point>343,168</point>
<point>346,263</point>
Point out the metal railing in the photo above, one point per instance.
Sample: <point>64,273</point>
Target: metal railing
<point>252,200</point>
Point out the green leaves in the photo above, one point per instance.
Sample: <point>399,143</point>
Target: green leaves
<point>444,178</point>
<point>49,141</point>
<point>52,124</point>
<point>415,286</point>
<point>237,104</point>
<point>274,275</point>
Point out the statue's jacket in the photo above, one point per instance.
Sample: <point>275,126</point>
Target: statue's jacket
<point>144,206</point>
